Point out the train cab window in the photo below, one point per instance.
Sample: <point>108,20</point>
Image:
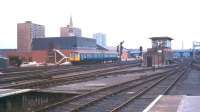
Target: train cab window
<point>74,54</point>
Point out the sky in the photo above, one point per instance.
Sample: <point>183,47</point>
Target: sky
<point>133,21</point>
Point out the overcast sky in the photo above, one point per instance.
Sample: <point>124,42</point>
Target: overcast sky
<point>133,21</point>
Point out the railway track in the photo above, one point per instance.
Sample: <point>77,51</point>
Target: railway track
<point>31,69</point>
<point>69,68</point>
<point>52,79</point>
<point>59,73</point>
<point>81,102</point>
<point>41,73</point>
<point>139,101</point>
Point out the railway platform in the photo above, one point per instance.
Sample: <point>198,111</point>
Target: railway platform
<point>10,92</point>
<point>174,103</point>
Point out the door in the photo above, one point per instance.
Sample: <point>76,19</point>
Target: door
<point>149,61</point>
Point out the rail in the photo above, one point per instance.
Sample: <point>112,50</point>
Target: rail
<point>82,101</point>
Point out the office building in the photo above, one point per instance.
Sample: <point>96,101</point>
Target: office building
<point>26,32</point>
<point>100,39</point>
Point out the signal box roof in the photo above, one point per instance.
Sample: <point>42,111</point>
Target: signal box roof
<point>161,38</point>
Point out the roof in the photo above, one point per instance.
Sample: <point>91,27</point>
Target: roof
<point>63,43</point>
<point>161,38</point>
<point>99,47</point>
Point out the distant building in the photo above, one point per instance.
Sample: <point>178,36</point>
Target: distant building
<point>70,31</point>
<point>134,53</point>
<point>26,32</point>
<point>66,45</point>
<point>100,38</point>
<point>183,53</point>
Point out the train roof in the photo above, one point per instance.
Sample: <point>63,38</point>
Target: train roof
<point>94,51</point>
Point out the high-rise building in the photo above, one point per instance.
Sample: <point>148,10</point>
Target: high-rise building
<point>26,32</point>
<point>100,39</point>
<point>70,31</point>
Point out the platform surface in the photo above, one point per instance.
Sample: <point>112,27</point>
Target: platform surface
<point>176,103</point>
<point>9,92</point>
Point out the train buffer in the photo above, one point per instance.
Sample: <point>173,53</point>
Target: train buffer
<point>174,103</point>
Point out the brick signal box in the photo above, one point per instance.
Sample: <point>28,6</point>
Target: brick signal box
<point>160,53</point>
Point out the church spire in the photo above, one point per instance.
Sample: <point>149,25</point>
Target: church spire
<point>71,22</point>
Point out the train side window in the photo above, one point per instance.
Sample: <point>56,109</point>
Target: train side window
<point>95,55</point>
<point>81,56</point>
<point>88,56</point>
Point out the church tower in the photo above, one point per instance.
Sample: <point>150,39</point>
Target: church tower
<point>70,30</point>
